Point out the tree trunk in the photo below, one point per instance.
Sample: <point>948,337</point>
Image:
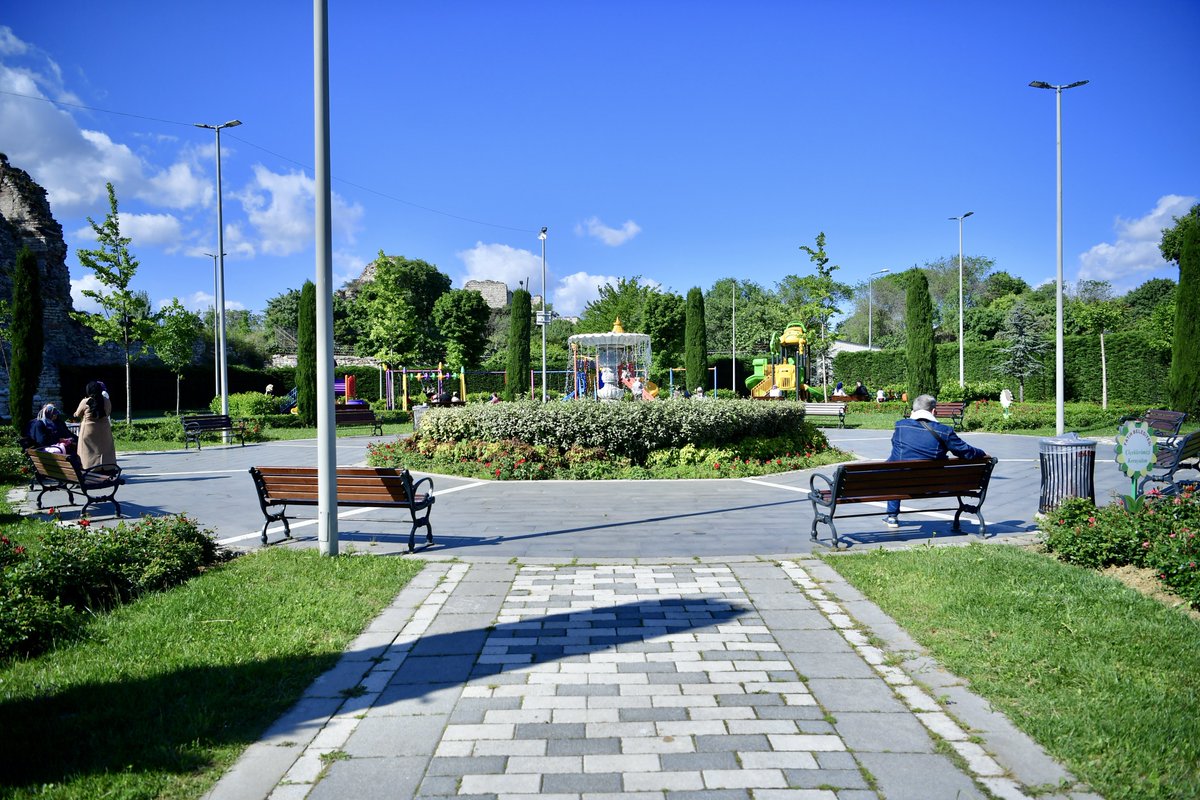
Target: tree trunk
<point>1103,375</point>
<point>128,396</point>
<point>177,394</point>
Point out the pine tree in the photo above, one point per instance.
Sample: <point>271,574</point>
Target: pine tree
<point>918,319</point>
<point>695,341</point>
<point>1025,341</point>
<point>306,356</point>
<point>27,339</point>
<point>1183,380</point>
<point>516,376</point>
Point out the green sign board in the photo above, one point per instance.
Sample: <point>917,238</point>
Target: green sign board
<point>1137,451</point>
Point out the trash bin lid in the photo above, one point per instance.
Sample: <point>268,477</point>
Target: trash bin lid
<point>1070,440</point>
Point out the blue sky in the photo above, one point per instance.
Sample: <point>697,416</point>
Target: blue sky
<point>684,142</point>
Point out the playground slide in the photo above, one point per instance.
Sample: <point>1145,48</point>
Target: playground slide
<point>649,388</point>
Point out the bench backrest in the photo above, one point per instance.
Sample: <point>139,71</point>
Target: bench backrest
<point>1164,422</point>
<point>886,480</point>
<point>59,466</point>
<point>354,484</point>
<point>825,408</point>
<point>1187,448</point>
<point>207,421</point>
<point>355,413</point>
<point>948,409</point>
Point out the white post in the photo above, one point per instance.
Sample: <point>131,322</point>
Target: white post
<point>961,370</point>
<point>327,522</point>
<point>542,236</point>
<point>733,343</point>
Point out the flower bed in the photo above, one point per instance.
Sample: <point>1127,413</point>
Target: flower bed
<point>1160,534</point>
<point>529,441</point>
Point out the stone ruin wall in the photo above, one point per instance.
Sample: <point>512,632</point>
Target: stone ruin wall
<point>26,221</point>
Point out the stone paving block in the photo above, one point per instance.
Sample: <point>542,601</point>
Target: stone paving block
<point>663,781</point>
<point>883,732</point>
<point>825,640</point>
<point>817,778</point>
<point>854,694</point>
<point>544,764</point>
<point>396,736</point>
<point>457,643</point>
<point>789,760</point>
<point>831,665</point>
<point>444,785</point>
<point>524,784</point>
<point>699,761</point>
<point>533,730</point>
<point>434,669</point>
<point>836,760</point>
<point>727,743</point>
<point>800,794</point>
<point>710,794</point>
<point>370,779</point>
<point>463,765</point>
<point>585,782</point>
<point>909,776</point>
<point>793,619</point>
<point>744,779</point>
<point>623,762</point>
<point>584,747</point>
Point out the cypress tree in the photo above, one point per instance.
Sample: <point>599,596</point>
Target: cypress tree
<point>918,319</point>
<point>1183,380</point>
<point>695,340</point>
<point>27,339</point>
<point>306,355</point>
<point>516,376</point>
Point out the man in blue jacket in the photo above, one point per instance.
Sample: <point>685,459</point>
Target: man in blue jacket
<point>922,436</point>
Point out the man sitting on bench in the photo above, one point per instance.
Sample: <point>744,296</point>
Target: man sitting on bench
<point>922,436</point>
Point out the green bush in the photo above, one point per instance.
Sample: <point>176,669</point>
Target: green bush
<point>1160,534</point>
<point>630,430</point>
<point>30,623</point>
<point>248,404</point>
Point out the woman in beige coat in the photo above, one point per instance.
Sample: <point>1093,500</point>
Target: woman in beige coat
<point>96,446</point>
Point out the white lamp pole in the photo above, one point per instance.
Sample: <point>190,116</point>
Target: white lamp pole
<point>733,343</point>
<point>871,302</point>
<point>1059,381</point>
<point>216,350</point>
<point>542,236</point>
<point>220,301</point>
<point>961,378</point>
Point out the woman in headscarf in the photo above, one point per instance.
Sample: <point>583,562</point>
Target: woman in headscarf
<point>96,446</point>
<point>49,431</point>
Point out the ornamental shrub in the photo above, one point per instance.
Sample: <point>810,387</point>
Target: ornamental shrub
<point>248,404</point>
<point>1090,537</point>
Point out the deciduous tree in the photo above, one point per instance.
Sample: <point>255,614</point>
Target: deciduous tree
<point>1171,245</point>
<point>461,317</point>
<point>174,341</point>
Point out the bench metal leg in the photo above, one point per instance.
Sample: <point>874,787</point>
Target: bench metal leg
<point>278,517</point>
<point>417,523</point>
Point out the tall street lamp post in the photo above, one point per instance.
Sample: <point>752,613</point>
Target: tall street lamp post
<point>961,378</point>
<point>542,236</point>
<point>1059,381</point>
<point>216,351</point>
<point>871,301</point>
<point>224,366</point>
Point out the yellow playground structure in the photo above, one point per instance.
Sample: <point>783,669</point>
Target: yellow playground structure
<point>784,368</point>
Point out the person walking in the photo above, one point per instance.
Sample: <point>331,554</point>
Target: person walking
<point>921,436</point>
<point>96,446</point>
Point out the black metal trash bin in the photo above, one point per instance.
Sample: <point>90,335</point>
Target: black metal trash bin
<point>417,411</point>
<point>1068,470</point>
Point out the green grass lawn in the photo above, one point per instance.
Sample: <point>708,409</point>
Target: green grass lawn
<point>126,445</point>
<point>1107,680</point>
<point>163,694</point>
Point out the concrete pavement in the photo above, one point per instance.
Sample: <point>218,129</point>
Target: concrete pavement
<point>631,639</point>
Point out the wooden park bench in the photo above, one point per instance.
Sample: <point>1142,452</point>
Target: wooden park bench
<point>880,481</point>
<point>1172,460</point>
<point>55,471</point>
<point>196,425</point>
<point>1163,422</point>
<point>826,410</point>
<point>371,487</point>
<point>947,411</point>
<point>358,415</point>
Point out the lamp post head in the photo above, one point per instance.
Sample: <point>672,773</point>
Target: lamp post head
<point>233,123</point>
<point>969,213</point>
<point>1040,85</point>
<point>542,234</point>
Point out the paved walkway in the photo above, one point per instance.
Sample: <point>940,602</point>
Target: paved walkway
<point>698,653</point>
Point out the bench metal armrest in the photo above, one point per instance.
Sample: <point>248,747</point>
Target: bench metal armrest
<point>815,492</point>
<point>101,474</point>
<point>417,485</point>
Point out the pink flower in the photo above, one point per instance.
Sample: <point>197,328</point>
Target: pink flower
<point>717,466</point>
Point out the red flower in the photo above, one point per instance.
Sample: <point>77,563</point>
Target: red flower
<point>717,466</point>
<point>83,523</point>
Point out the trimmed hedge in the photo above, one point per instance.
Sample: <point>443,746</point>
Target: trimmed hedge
<point>1136,373</point>
<point>631,430</point>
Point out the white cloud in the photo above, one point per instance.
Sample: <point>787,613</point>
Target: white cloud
<point>179,186</point>
<point>347,267</point>
<point>610,236</point>
<point>155,230</point>
<point>78,300</point>
<point>281,208</point>
<point>10,45</point>
<point>1135,254</point>
<point>501,262</point>
<point>575,291</point>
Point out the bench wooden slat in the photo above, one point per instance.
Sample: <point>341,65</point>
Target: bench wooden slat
<point>827,410</point>
<point>196,424</point>
<point>359,416</point>
<point>384,487</point>
<point>1171,460</point>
